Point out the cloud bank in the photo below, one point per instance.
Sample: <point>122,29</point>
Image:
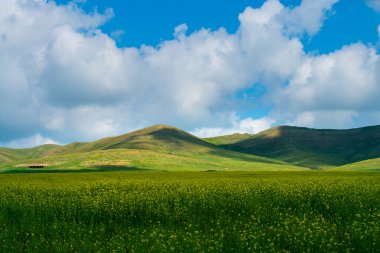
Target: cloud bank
<point>65,79</point>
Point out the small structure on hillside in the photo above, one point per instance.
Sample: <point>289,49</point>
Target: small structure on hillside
<point>36,166</point>
<point>33,165</point>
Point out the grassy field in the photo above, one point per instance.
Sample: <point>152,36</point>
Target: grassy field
<point>134,159</point>
<point>190,212</point>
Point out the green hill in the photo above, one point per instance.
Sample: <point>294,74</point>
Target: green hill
<point>228,139</point>
<point>157,138</point>
<point>8,155</point>
<point>366,165</point>
<point>154,148</point>
<point>313,148</point>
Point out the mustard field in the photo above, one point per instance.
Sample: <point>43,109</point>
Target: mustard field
<point>190,212</point>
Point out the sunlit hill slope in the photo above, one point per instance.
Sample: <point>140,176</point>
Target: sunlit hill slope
<point>159,147</point>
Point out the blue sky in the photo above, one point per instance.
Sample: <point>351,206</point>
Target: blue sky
<point>150,22</point>
<point>82,70</point>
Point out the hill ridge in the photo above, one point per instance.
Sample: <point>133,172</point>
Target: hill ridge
<point>159,147</point>
<point>300,146</point>
<point>314,148</point>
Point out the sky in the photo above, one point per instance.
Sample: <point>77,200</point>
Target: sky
<point>83,70</point>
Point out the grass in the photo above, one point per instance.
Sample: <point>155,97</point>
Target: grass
<point>157,138</point>
<point>228,139</point>
<point>313,148</point>
<point>190,212</point>
<point>112,159</point>
<point>160,148</point>
<point>163,147</point>
<point>9,155</point>
<point>366,165</point>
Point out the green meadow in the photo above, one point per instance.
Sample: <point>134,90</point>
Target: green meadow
<point>190,212</point>
<point>161,189</point>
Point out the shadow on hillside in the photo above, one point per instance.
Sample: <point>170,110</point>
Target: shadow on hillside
<point>105,168</point>
<point>243,156</point>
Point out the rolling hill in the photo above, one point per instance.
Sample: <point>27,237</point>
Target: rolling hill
<point>313,148</point>
<point>159,147</point>
<point>158,138</point>
<point>8,155</point>
<point>366,165</point>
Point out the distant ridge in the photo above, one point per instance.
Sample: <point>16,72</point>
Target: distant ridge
<point>159,147</point>
<point>7,155</point>
<point>277,148</point>
<point>313,148</point>
<point>158,137</point>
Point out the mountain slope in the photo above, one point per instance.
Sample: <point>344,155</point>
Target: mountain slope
<point>8,155</point>
<point>228,139</point>
<point>366,165</point>
<point>158,138</point>
<point>155,148</point>
<point>314,148</point>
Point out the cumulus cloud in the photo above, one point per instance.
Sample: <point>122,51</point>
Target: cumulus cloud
<point>33,141</point>
<point>64,78</point>
<point>308,17</point>
<point>330,90</point>
<point>247,125</point>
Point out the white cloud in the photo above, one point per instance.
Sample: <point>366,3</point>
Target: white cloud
<point>309,16</point>
<point>321,119</point>
<point>180,31</point>
<point>62,77</point>
<point>248,125</point>
<point>32,141</point>
<point>374,4</point>
<point>117,34</point>
<point>330,90</point>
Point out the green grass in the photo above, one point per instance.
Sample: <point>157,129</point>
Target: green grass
<point>157,138</point>
<point>228,139</point>
<point>160,148</point>
<point>313,148</point>
<point>127,159</point>
<point>190,212</point>
<point>167,148</point>
<point>366,165</point>
<point>160,138</point>
<point>8,155</point>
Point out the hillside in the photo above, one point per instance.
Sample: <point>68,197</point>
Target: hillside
<point>228,139</point>
<point>158,138</point>
<point>8,155</point>
<point>366,165</point>
<point>154,148</point>
<point>313,148</point>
